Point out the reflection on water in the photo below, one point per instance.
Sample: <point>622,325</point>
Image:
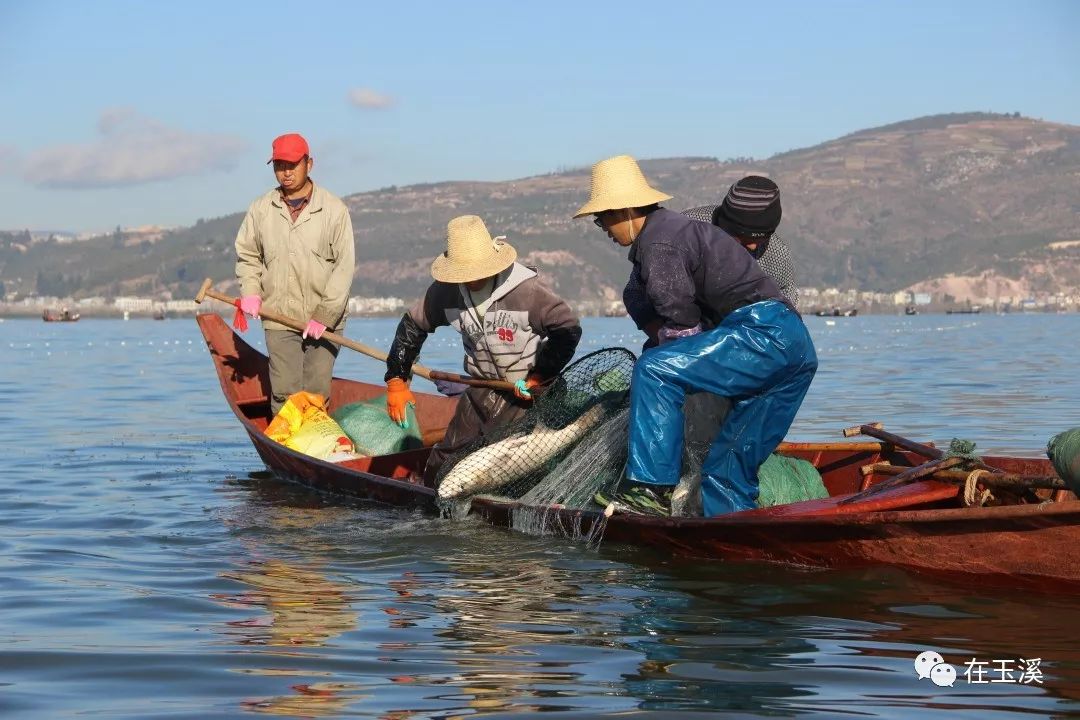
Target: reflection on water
<point>304,607</point>
<point>319,699</point>
<point>497,618</point>
<point>144,573</point>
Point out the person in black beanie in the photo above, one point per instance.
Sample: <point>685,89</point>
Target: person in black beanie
<point>750,213</point>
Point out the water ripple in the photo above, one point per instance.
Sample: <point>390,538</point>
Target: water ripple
<point>148,570</point>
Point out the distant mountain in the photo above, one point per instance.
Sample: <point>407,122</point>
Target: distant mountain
<point>968,194</point>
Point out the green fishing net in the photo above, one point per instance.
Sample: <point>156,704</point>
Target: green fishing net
<point>784,480</point>
<point>373,432</point>
<point>962,449</point>
<point>1064,452</point>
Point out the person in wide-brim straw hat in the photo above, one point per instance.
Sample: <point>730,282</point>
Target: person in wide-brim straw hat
<point>618,183</point>
<point>471,253</point>
<point>724,328</point>
<point>513,328</point>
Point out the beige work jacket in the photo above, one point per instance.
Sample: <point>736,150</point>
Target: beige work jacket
<point>301,269</point>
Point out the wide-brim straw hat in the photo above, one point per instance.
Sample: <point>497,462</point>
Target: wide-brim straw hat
<point>618,183</point>
<point>471,253</point>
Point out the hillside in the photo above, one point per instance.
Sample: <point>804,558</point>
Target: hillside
<point>972,194</point>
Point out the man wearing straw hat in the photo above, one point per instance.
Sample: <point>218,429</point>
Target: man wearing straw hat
<point>513,328</point>
<point>726,329</point>
<point>295,255</point>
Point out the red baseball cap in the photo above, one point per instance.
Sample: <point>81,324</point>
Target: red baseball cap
<point>290,148</point>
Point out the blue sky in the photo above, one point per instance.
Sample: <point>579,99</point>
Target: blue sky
<point>129,113</point>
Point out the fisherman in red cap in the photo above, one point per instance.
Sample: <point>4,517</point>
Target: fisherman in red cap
<point>295,256</point>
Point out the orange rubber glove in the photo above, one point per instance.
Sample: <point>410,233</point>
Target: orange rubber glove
<point>398,395</point>
<point>523,388</point>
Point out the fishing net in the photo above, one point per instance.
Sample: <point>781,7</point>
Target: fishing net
<point>572,445</point>
<point>597,465</point>
<point>783,480</point>
<point>1064,452</point>
<point>703,414</point>
<point>373,432</point>
<point>961,448</point>
<point>578,409</point>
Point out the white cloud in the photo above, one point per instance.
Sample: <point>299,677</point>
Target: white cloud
<point>132,149</point>
<point>369,99</point>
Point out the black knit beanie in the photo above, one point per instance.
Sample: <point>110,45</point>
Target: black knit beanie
<point>751,208</point>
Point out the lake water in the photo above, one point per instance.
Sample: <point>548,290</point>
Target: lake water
<point>149,570</point>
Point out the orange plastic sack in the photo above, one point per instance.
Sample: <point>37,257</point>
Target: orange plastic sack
<point>303,425</point>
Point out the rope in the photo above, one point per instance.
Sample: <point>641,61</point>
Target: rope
<point>971,490</point>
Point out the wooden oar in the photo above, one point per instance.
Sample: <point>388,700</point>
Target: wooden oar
<point>908,475</point>
<point>937,460</point>
<point>874,447</point>
<point>927,451</point>
<point>1005,481</point>
<point>207,290</point>
<point>876,430</point>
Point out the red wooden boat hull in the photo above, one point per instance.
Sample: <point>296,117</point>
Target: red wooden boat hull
<point>921,526</point>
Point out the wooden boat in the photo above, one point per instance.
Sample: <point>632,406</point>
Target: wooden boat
<point>837,312</point>
<point>59,316</point>
<point>923,525</point>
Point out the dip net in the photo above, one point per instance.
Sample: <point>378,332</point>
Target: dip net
<point>570,444</point>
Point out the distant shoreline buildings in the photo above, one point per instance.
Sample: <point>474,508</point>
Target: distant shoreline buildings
<point>812,300</point>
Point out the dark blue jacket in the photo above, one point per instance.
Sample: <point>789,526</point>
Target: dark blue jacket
<point>694,273</point>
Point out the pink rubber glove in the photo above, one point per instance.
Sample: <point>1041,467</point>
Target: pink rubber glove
<point>314,330</point>
<point>251,305</point>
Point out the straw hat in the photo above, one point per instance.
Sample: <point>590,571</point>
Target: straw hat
<point>471,252</point>
<point>618,183</point>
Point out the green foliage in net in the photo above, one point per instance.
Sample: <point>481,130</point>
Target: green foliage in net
<point>373,432</point>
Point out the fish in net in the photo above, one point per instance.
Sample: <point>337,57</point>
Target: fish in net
<point>513,460</point>
<point>572,445</point>
<point>596,466</point>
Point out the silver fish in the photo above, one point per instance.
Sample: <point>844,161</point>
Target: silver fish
<point>491,467</point>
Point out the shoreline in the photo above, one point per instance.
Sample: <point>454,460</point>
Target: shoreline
<point>108,314</point>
